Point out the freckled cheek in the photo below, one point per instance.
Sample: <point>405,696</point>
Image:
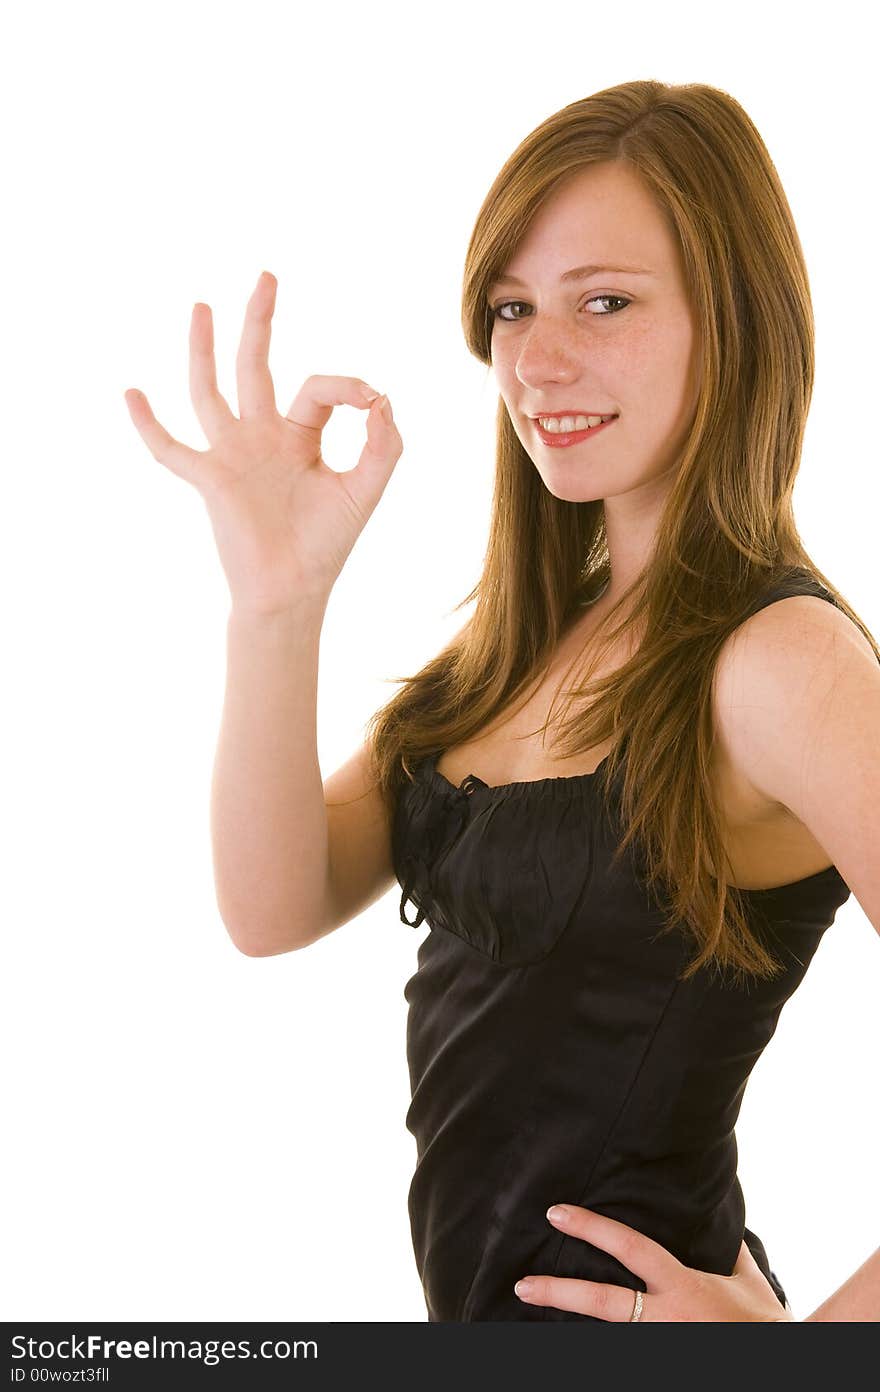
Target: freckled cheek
<point>655,367</point>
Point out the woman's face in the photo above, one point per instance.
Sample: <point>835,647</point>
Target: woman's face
<point>561,347</point>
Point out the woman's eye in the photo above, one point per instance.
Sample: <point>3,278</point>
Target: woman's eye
<point>508,304</point>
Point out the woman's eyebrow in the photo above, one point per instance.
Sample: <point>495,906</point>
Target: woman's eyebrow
<point>578,273</point>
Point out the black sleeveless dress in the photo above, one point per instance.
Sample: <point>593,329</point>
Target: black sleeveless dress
<point>553,1055</point>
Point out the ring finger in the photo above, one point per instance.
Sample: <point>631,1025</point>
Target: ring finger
<point>210,407</point>
<point>613,1303</point>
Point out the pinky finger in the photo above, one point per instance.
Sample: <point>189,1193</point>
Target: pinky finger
<point>179,458</point>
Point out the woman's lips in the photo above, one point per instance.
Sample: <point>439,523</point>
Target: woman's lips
<point>573,437</point>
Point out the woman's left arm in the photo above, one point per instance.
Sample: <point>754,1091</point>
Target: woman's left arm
<point>807,735</point>
<point>798,697</point>
<point>811,740</point>
<point>858,1299</point>
<point>682,1294</point>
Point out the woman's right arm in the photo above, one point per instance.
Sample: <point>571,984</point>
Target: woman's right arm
<point>288,868</point>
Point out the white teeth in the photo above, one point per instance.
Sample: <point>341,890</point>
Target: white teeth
<point>563,424</point>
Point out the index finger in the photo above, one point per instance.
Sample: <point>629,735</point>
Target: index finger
<point>313,404</point>
<point>256,391</point>
<point>636,1251</point>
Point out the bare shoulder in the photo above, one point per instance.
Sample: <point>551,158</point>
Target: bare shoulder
<point>799,708</point>
<point>800,629</point>
<point>770,666</point>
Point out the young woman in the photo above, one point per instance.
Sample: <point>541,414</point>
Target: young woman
<point>617,915</point>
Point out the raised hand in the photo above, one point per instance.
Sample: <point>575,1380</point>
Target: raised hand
<point>284,522</point>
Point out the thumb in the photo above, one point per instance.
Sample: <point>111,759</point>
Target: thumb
<point>367,480</point>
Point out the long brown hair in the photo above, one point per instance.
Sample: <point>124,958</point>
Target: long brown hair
<point>727,531</point>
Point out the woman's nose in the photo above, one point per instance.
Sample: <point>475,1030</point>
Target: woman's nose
<point>547,363</point>
<point>550,349</point>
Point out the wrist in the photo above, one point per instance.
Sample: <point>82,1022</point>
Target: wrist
<point>305,609</point>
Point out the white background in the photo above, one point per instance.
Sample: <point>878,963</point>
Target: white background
<point>192,1133</point>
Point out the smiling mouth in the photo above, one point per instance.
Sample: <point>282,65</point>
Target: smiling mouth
<point>570,422</point>
<point>571,436</point>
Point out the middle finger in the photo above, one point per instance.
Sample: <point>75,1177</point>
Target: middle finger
<point>256,392</point>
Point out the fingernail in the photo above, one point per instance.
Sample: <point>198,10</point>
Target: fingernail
<point>369,394</point>
<point>385,408</point>
<point>556,1214</point>
<point>523,1287</point>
